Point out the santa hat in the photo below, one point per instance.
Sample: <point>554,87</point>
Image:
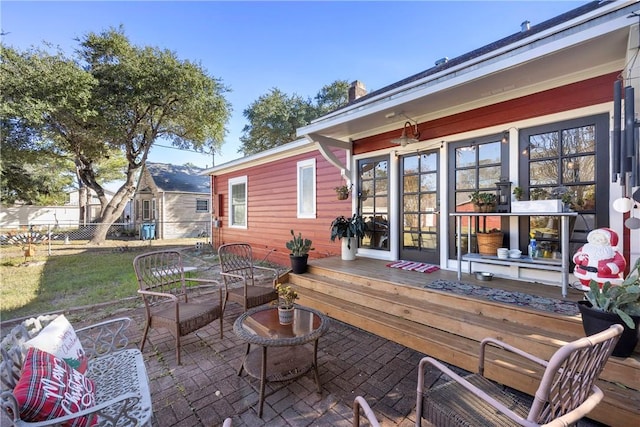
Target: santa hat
<point>611,235</point>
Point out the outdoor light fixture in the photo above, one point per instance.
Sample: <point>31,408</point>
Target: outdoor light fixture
<point>404,139</point>
<point>505,135</point>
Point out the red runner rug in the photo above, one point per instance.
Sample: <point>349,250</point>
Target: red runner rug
<point>414,266</point>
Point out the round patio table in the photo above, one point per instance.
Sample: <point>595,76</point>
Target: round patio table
<point>288,358</point>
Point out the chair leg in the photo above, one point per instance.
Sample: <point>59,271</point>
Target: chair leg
<point>224,303</point>
<point>178,348</point>
<point>144,337</point>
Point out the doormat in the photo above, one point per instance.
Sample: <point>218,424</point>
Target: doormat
<point>414,266</point>
<point>520,299</point>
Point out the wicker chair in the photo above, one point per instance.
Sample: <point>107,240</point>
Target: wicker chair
<point>166,296</point>
<point>237,267</point>
<point>566,393</point>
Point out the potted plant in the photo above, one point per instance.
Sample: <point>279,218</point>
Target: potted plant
<point>342,191</point>
<point>347,229</point>
<point>299,255</point>
<point>612,304</point>
<point>489,241</point>
<point>518,192</point>
<point>483,202</point>
<point>286,297</point>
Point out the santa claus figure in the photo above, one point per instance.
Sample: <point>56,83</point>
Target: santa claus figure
<point>599,260</point>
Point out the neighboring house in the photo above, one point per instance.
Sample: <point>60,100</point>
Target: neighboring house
<point>175,199</point>
<point>92,203</point>
<point>534,109</point>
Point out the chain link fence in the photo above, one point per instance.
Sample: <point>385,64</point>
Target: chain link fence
<point>55,236</point>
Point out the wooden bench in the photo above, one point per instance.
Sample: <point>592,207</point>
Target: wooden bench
<point>122,394</point>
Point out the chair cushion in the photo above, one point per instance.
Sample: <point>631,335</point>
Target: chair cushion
<point>48,388</point>
<point>59,338</point>
<point>450,404</point>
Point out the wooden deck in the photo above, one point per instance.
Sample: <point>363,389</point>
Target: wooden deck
<point>393,304</point>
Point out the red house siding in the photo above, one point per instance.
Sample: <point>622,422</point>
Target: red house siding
<point>272,208</point>
<point>576,95</point>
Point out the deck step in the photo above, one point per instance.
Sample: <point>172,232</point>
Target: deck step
<point>450,327</point>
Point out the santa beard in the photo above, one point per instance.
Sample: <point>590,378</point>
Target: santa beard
<point>597,253</point>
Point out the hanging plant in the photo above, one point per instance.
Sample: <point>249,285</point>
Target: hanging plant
<point>342,192</point>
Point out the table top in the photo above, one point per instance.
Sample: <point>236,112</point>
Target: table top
<point>261,326</point>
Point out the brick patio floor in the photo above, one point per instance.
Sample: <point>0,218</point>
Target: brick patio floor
<point>206,389</point>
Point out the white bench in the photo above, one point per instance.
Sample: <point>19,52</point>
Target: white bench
<point>122,394</point>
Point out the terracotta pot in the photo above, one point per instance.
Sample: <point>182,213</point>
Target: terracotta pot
<point>594,321</point>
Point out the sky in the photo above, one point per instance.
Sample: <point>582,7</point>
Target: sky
<point>295,46</point>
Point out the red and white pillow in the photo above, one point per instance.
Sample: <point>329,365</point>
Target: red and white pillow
<point>48,388</point>
<point>59,338</point>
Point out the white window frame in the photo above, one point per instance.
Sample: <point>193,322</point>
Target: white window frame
<point>233,223</point>
<point>146,210</point>
<point>202,201</point>
<point>305,165</point>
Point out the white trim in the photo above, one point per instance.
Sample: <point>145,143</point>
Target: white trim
<point>232,182</point>
<point>290,149</point>
<point>303,165</point>
<point>552,40</point>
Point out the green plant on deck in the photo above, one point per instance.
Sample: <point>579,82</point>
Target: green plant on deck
<point>298,245</point>
<point>624,299</point>
<point>342,227</point>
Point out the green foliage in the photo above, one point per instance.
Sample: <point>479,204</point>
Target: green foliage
<point>274,117</point>
<point>287,295</point>
<point>348,227</point>
<point>112,97</point>
<point>624,300</point>
<point>298,246</point>
<point>481,198</point>
<point>518,192</point>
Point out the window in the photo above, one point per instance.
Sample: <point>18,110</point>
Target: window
<point>238,202</point>
<point>307,188</point>
<point>373,202</point>
<point>146,209</point>
<point>149,209</point>
<point>561,157</point>
<point>475,165</point>
<point>202,205</point>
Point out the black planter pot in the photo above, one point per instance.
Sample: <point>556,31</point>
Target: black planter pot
<point>594,321</point>
<point>299,263</point>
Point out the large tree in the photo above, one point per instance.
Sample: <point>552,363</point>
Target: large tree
<point>113,97</point>
<point>274,117</point>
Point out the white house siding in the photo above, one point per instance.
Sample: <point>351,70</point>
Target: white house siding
<point>179,217</point>
<point>16,217</point>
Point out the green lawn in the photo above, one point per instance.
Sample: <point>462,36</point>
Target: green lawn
<point>70,277</point>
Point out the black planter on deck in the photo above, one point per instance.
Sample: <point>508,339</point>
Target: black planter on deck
<point>594,321</point>
<point>299,263</point>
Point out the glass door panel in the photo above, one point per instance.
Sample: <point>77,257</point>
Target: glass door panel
<point>420,211</point>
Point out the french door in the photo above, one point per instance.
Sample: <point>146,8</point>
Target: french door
<point>420,209</point>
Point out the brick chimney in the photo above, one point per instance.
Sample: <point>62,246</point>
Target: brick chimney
<point>356,90</point>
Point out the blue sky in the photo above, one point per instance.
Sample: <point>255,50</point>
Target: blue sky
<point>296,46</point>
